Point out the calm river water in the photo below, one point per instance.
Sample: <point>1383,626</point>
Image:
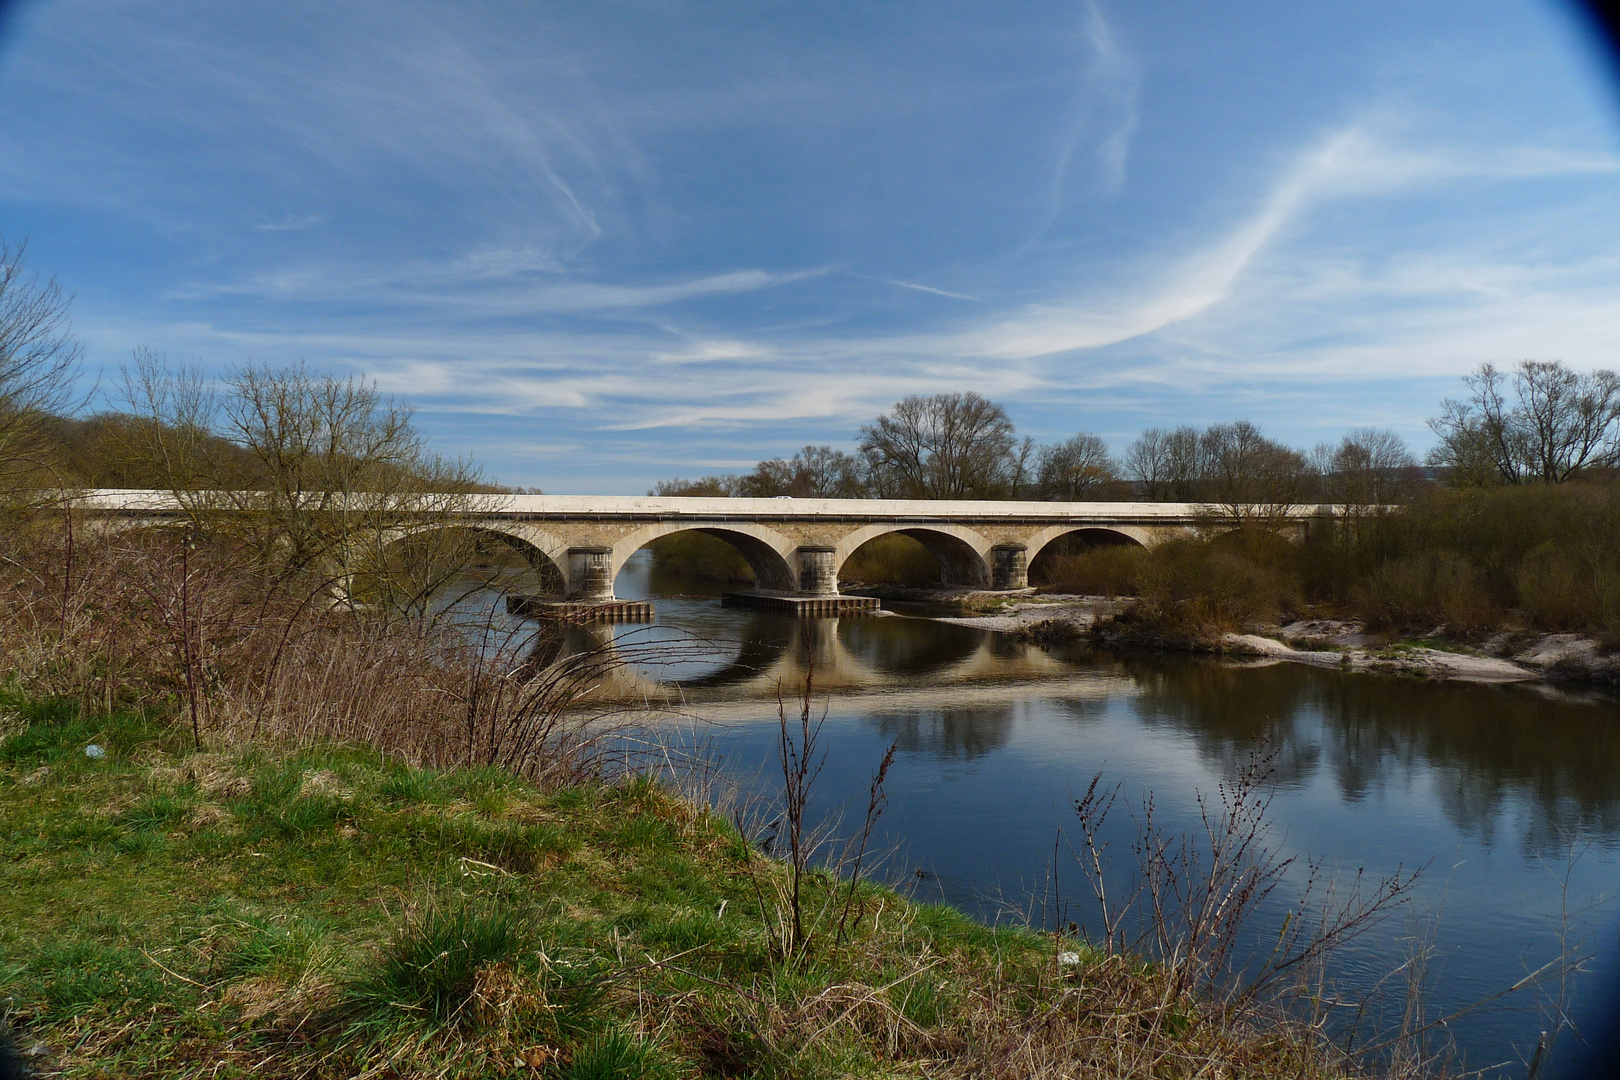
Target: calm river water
<point>1507,796</point>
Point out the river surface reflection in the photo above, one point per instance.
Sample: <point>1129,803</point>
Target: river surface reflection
<point>1508,795</point>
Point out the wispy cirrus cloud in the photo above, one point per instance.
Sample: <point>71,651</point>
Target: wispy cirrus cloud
<point>641,236</point>
<point>490,284</point>
<point>1354,162</point>
<point>930,289</point>
<point>1104,117</point>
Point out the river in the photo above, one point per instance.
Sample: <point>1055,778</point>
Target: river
<point>1507,797</point>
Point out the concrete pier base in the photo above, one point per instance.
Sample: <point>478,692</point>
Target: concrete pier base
<point>591,570</point>
<point>1011,567</point>
<point>818,570</point>
<point>550,608</point>
<point>804,606</point>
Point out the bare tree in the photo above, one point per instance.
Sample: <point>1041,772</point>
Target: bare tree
<point>1075,469</point>
<point>39,359</point>
<point>947,446</point>
<point>718,487</point>
<point>174,412</point>
<point>815,472</point>
<point>1558,423</point>
<point>1166,465</point>
<point>1370,468</point>
<point>333,478</point>
<point>1249,478</point>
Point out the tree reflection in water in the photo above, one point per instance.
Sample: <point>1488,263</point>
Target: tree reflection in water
<point>995,736</point>
<point>964,733</point>
<point>1479,746</point>
<point>908,646</point>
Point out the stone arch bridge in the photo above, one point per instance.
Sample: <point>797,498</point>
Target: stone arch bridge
<point>796,547</point>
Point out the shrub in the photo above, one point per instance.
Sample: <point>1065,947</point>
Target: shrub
<point>698,555</point>
<point>1422,589</point>
<point>1204,584</point>
<point>1114,570</point>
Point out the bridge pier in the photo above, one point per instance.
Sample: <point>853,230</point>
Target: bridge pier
<point>1011,569</point>
<point>818,572</point>
<point>590,573</point>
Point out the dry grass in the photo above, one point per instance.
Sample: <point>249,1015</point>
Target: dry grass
<point>243,655</point>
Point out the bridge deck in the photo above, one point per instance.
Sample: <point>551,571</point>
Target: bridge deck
<point>645,507</point>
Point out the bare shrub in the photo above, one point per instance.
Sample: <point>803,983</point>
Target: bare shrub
<point>1214,586</point>
<point>1187,900</point>
<point>152,617</point>
<point>1113,570</point>
<point>1414,591</point>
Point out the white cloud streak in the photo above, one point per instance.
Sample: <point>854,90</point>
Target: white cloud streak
<point>1105,116</point>
<point>930,289</point>
<point>489,224</point>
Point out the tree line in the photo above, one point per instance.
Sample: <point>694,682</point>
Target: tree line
<point>295,432</point>
<point>1541,422</point>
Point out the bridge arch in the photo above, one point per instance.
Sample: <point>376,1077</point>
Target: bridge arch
<point>768,553</point>
<point>545,554</point>
<point>962,553</point>
<point>1103,534</point>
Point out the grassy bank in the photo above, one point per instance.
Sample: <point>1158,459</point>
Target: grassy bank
<point>327,912</point>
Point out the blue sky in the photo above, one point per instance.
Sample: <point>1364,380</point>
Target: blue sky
<point>600,244</point>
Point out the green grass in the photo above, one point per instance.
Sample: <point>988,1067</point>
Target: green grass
<point>324,912</point>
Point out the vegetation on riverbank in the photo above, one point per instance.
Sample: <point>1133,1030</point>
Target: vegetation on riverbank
<point>328,911</point>
<point>1475,561</point>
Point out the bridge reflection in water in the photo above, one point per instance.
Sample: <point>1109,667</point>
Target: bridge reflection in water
<point>731,659</point>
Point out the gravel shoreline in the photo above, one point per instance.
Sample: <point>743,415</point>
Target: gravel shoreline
<point>1505,658</point>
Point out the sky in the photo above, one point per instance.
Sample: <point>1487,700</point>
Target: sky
<point>597,245</point>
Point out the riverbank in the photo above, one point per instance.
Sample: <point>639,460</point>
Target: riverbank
<point>1504,657</point>
<point>1005,612</point>
<point>255,911</point>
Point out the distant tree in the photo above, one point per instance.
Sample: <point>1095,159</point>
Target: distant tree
<point>95,451</point>
<point>1166,465</point>
<point>711,487</point>
<point>947,446</point>
<point>1558,423</point>
<point>1076,469</point>
<point>1370,467</point>
<point>1248,478</point>
<point>815,472</point>
<point>39,358</point>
